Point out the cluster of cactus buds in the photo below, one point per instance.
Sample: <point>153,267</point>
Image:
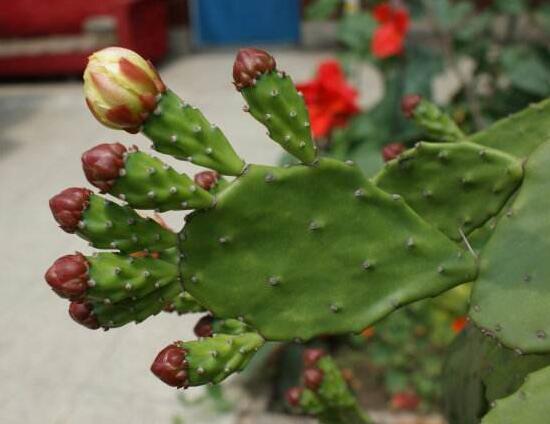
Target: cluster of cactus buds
<point>293,253</point>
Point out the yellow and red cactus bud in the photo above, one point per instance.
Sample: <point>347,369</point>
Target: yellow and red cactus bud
<point>68,276</point>
<point>203,328</point>
<point>409,103</point>
<point>206,179</point>
<point>313,378</point>
<point>312,356</point>
<point>293,396</point>
<point>83,313</point>
<point>67,207</point>
<point>102,164</point>
<point>121,88</point>
<point>392,150</point>
<point>170,366</point>
<point>251,63</point>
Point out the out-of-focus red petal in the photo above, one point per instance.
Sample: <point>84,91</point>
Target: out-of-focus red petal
<point>383,13</point>
<point>387,41</point>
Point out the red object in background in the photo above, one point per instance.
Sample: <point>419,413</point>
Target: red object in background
<point>330,100</point>
<point>405,401</point>
<point>47,37</point>
<point>389,37</point>
<point>459,324</point>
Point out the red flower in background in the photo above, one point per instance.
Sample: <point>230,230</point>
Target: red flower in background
<point>389,37</point>
<point>459,324</point>
<point>330,100</point>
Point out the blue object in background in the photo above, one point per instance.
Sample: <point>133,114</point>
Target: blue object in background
<point>219,22</point>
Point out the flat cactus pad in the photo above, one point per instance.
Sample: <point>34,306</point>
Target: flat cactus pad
<point>303,251</point>
<point>512,294</point>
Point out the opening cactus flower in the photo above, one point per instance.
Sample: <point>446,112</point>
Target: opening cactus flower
<point>170,366</point>
<point>121,88</point>
<point>389,37</point>
<point>83,313</point>
<point>102,164</point>
<point>392,150</point>
<point>68,276</point>
<point>67,207</point>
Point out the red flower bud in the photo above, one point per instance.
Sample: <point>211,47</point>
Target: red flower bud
<point>312,356</point>
<point>170,366</point>
<point>251,63</point>
<point>206,179</point>
<point>392,150</point>
<point>293,396</point>
<point>83,313</point>
<point>68,276</point>
<point>67,207</point>
<point>203,328</point>
<point>409,104</point>
<point>313,377</point>
<point>102,164</point>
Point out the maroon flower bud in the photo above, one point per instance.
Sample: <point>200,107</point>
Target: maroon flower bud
<point>293,396</point>
<point>83,313</point>
<point>251,63</point>
<point>204,326</point>
<point>170,366</point>
<point>313,377</point>
<point>67,207</point>
<point>312,356</point>
<point>409,104</point>
<point>206,179</point>
<point>68,276</point>
<point>408,401</point>
<point>392,150</point>
<point>102,164</point>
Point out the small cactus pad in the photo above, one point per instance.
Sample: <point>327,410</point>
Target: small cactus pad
<point>317,248</point>
<point>213,359</point>
<point>182,131</point>
<point>530,404</point>
<point>328,396</point>
<point>478,371</point>
<point>519,134</point>
<point>274,101</point>
<point>146,182</point>
<point>514,270</point>
<point>437,124</point>
<point>454,186</point>
<point>107,225</point>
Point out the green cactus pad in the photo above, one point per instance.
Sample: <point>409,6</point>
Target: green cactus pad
<point>478,371</point>
<point>107,225</point>
<point>454,186</point>
<point>213,359</point>
<point>333,402</point>
<point>529,405</point>
<point>182,131</point>
<point>274,101</point>
<point>114,277</point>
<point>137,309</point>
<point>147,183</point>
<point>302,251</point>
<point>437,124</point>
<point>183,303</point>
<point>514,270</point>
<point>519,134</point>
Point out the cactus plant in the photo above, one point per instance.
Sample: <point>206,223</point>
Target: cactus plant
<point>292,253</point>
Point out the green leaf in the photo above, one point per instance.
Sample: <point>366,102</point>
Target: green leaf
<point>422,66</point>
<point>355,32</point>
<point>512,7</point>
<point>321,9</point>
<point>526,70</point>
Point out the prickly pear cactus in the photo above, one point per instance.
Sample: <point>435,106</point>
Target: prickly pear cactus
<point>514,267</point>
<point>528,405</point>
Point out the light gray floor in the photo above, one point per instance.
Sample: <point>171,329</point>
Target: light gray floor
<point>52,370</point>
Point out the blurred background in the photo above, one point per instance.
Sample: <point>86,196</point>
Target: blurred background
<point>479,60</point>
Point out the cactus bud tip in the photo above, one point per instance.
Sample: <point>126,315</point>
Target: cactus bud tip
<point>68,276</point>
<point>312,356</point>
<point>249,64</point>
<point>102,164</point>
<point>83,313</point>
<point>293,396</point>
<point>392,150</point>
<point>67,207</point>
<point>203,328</point>
<point>313,378</point>
<point>206,179</point>
<point>170,366</point>
<point>409,104</point>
